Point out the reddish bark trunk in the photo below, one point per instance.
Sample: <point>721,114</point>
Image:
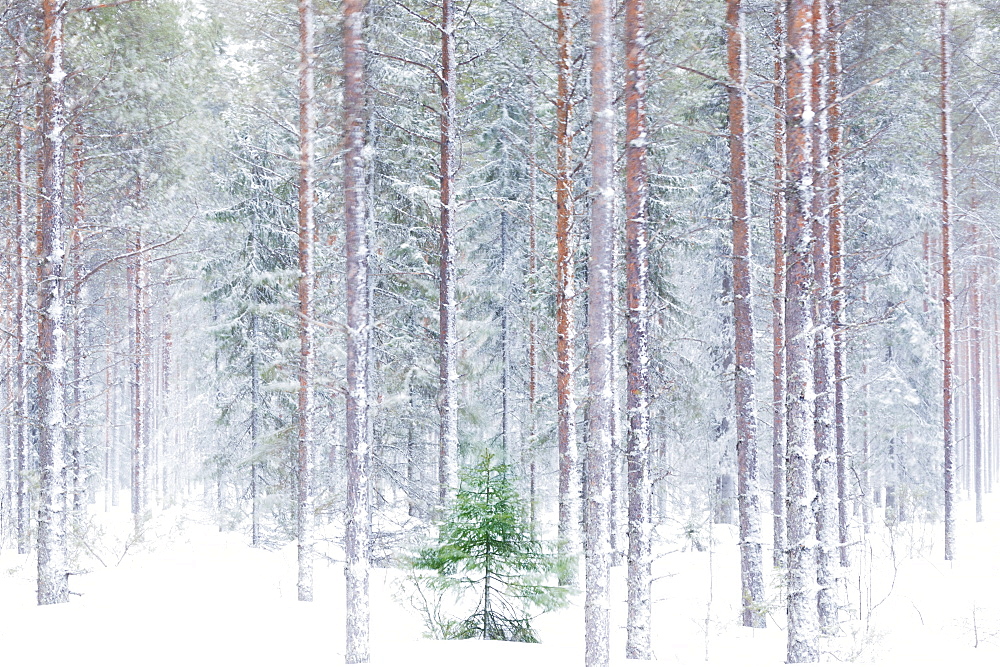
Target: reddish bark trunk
<point>837,272</point>
<point>748,468</point>
<point>799,337</point>
<point>637,645</point>
<point>565,254</point>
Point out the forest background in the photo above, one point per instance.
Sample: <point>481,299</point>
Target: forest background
<point>182,170</point>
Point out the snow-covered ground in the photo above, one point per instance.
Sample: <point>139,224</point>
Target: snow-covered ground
<point>188,594</point>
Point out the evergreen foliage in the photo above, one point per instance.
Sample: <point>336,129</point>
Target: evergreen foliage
<point>486,545</point>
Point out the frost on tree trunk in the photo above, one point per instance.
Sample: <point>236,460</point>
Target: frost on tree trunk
<point>21,437</point>
<point>139,343</point>
<point>306,230</point>
<point>836,221</point>
<point>531,280</point>
<point>448,339</point>
<point>255,410</point>
<point>597,495</point>
<point>976,379</point>
<point>357,521</point>
<point>565,252</point>
<point>75,478</point>
<point>825,463</point>
<point>50,254</point>
<point>637,644</point>
<point>799,340</point>
<point>947,305</point>
<point>748,468</point>
<point>778,298</point>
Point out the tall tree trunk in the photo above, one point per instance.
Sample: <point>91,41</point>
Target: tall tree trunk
<point>448,340</point>
<point>825,465</point>
<point>255,410</point>
<point>21,243</point>
<point>506,372</point>
<point>52,572</point>
<point>947,305</point>
<point>637,644</point>
<point>748,468</point>
<point>976,376</point>
<point>778,434</point>
<point>75,488</point>
<point>532,278</point>
<point>565,292</point>
<point>138,341</point>
<point>599,304</point>
<point>802,611</point>
<point>836,218</point>
<point>358,512</point>
<point>866,455</point>
<point>306,230</point>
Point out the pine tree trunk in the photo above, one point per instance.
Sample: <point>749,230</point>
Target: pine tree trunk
<point>565,292</point>
<point>532,278</point>
<point>52,572</point>
<point>976,378</point>
<point>255,410</point>
<point>599,303</point>
<point>748,468</point>
<point>21,437</point>
<point>448,340</point>
<point>358,512</point>
<point>139,455</point>
<point>801,526</point>
<point>506,372</point>
<point>306,230</point>
<point>836,220</point>
<point>947,305</point>
<point>637,644</point>
<point>778,435</point>
<point>825,466</point>
<point>75,489</point>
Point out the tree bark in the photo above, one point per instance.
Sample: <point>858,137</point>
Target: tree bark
<point>50,253</point>
<point>255,410</point>
<point>357,521</point>
<point>638,645</point>
<point>448,339</point>
<point>976,376</point>
<point>21,287</point>
<point>799,336</point>
<point>778,434</point>
<point>75,479</point>
<point>600,301</point>
<point>306,230</point>
<point>138,352</point>
<point>532,278</point>
<point>565,293</point>
<point>748,468</point>
<point>946,285</point>
<point>825,462</point>
<point>836,221</point>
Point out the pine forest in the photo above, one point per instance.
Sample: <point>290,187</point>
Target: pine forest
<point>363,331</point>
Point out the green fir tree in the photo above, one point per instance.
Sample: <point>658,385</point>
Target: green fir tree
<point>486,546</point>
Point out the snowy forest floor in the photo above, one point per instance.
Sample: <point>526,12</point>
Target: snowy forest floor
<point>188,594</point>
